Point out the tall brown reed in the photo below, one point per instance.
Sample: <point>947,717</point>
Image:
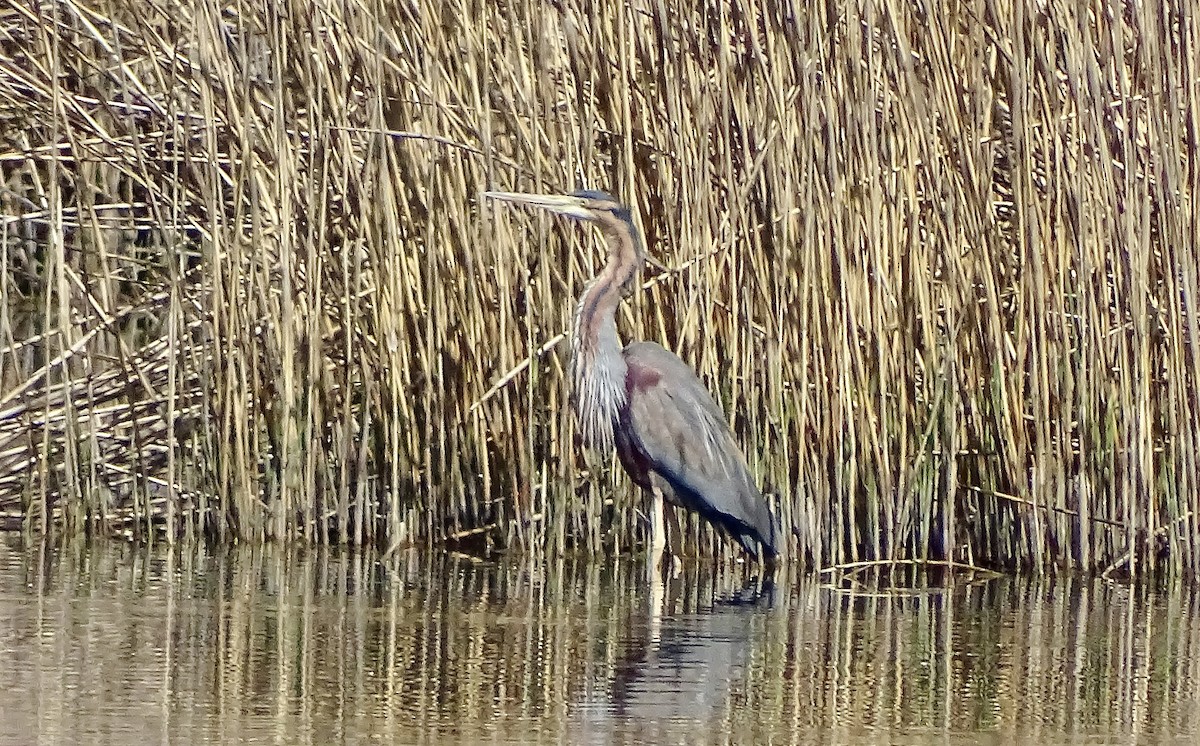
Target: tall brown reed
<point>938,267</point>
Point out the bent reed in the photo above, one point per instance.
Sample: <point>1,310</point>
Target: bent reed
<point>939,269</point>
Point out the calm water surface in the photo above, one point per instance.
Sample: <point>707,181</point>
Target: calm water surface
<point>116,644</point>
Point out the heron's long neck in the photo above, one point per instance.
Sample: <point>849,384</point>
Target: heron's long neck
<point>597,363</point>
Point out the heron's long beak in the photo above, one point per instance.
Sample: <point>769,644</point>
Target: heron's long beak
<point>563,204</point>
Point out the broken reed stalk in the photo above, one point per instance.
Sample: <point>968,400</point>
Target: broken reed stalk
<point>939,270</point>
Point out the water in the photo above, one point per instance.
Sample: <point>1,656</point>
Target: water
<point>117,644</point>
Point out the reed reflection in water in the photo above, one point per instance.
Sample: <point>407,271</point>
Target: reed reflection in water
<point>117,644</point>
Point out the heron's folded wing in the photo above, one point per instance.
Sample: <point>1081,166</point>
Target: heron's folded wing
<point>678,428</point>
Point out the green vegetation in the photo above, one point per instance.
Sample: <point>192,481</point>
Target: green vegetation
<point>940,269</point>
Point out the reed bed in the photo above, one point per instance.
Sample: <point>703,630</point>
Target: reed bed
<point>938,267</point>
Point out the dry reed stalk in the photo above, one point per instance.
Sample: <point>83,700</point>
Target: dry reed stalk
<point>939,269</point>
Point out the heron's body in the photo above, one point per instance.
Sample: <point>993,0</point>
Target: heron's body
<point>697,465</point>
<point>645,402</point>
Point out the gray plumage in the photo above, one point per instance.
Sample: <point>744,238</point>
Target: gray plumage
<point>673,435</point>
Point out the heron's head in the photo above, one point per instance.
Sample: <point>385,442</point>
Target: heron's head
<point>586,204</point>
<point>613,216</point>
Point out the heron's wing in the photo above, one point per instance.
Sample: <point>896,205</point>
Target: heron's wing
<point>679,430</point>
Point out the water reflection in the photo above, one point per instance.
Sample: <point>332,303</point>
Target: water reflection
<point>115,644</point>
<point>679,675</point>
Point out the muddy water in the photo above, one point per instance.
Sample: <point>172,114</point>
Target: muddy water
<point>116,644</point>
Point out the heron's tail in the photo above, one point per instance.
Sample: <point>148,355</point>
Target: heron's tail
<point>772,539</point>
<point>773,542</point>
<point>763,541</point>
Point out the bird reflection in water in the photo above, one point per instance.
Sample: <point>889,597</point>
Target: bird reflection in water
<point>681,664</point>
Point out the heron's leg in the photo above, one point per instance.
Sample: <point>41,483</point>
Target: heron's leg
<point>658,529</point>
<point>674,534</point>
